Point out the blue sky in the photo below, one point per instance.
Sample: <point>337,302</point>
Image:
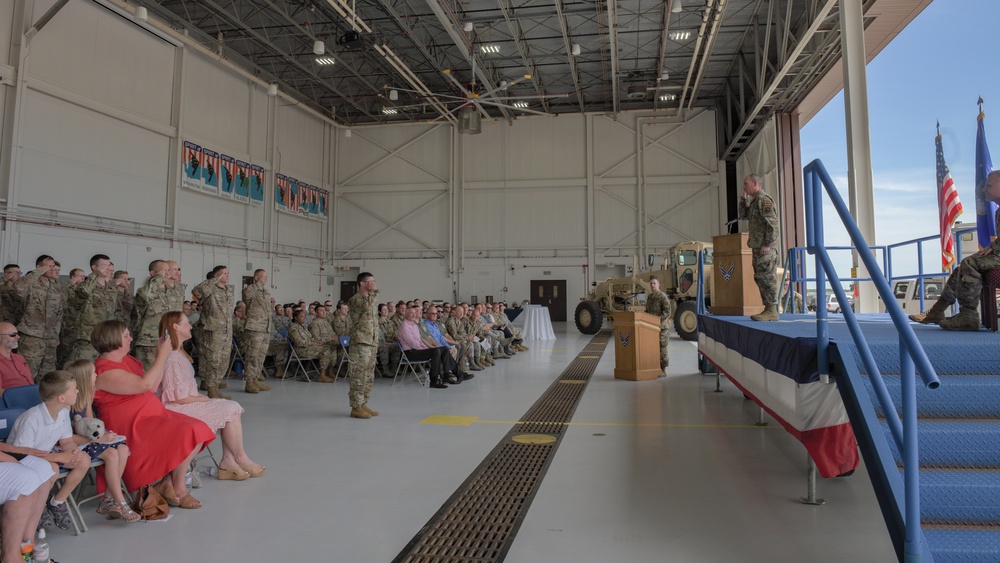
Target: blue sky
<point>935,69</point>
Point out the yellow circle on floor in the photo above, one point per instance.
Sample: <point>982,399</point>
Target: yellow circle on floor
<point>534,439</point>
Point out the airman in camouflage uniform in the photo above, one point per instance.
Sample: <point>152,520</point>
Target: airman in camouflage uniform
<point>151,301</point>
<point>257,332</point>
<point>42,319</point>
<point>308,347</point>
<point>11,301</point>
<point>341,324</point>
<point>363,310</point>
<point>100,299</point>
<point>215,298</point>
<point>324,337</point>
<point>657,303</point>
<point>765,228</point>
<point>456,329</point>
<point>965,283</point>
<point>126,301</point>
<point>72,304</point>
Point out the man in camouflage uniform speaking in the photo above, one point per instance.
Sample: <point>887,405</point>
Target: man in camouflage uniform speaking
<point>760,209</point>
<point>215,299</point>
<point>966,283</point>
<point>257,331</point>
<point>363,310</point>
<point>657,303</point>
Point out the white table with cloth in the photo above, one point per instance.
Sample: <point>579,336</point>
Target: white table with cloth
<point>535,323</point>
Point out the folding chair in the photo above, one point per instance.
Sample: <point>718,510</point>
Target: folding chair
<point>416,368</point>
<point>237,362</point>
<point>345,341</point>
<point>23,397</point>
<point>7,418</point>
<point>301,364</point>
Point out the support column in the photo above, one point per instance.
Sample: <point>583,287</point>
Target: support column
<point>790,175</point>
<point>859,154</point>
<point>10,153</point>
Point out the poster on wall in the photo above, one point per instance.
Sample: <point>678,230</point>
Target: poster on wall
<point>300,198</point>
<point>228,176</point>
<point>242,193</point>
<point>192,158</point>
<point>210,172</point>
<point>256,185</point>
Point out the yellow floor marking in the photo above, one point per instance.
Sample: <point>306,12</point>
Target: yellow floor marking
<point>626,424</point>
<point>589,357</point>
<point>533,439</point>
<point>571,381</point>
<point>450,420</point>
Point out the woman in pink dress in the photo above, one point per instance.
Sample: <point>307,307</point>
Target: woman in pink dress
<point>163,442</point>
<point>179,393</point>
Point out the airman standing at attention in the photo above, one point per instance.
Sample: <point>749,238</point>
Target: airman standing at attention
<point>43,311</point>
<point>216,342</point>
<point>150,304</point>
<point>11,302</point>
<point>100,299</point>
<point>126,301</point>
<point>256,331</point>
<point>765,228</point>
<point>657,303</point>
<point>363,310</point>
<point>71,317</point>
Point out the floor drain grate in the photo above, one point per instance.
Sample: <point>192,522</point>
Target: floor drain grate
<point>478,523</point>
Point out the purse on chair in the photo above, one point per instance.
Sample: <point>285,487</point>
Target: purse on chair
<point>150,504</point>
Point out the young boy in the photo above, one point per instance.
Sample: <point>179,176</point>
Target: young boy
<point>45,425</point>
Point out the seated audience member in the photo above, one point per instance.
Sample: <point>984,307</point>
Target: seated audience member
<point>455,360</point>
<point>47,424</point>
<point>458,330</point>
<point>163,442</point>
<point>179,393</point>
<point>109,448</point>
<point>14,370</point>
<point>306,346</point>
<point>417,349</point>
<point>25,482</point>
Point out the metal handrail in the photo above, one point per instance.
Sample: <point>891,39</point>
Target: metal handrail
<point>912,355</point>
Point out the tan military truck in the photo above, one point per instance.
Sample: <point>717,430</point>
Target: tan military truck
<point>678,279</point>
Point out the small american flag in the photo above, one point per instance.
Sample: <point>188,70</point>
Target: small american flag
<point>949,206</point>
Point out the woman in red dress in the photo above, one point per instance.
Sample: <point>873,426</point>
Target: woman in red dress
<point>163,442</point>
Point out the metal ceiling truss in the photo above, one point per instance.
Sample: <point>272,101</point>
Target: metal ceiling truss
<point>745,58</point>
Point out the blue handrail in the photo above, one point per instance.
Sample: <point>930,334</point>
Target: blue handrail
<point>912,356</point>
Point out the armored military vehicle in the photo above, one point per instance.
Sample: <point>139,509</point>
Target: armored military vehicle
<point>678,279</point>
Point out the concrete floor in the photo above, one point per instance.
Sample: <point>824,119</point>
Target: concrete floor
<point>654,471</point>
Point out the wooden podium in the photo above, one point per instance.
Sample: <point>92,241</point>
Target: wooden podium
<point>734,291</point>
<point>637,346</point>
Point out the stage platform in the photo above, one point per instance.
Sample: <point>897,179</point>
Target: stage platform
<point>774,363</point>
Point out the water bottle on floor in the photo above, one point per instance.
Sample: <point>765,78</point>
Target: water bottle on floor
<point>41,548</point>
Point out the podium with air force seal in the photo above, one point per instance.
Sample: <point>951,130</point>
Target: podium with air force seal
<point>636,340</point>
<point>734,292</point>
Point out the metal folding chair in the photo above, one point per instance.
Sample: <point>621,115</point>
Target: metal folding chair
<point>305,365</point>
<point>7,418</point>
<point>415,368</point>
<point>345,342</point>
<point>23,397</point>
<point>237,362</point>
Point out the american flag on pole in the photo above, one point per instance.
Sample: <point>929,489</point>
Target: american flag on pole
<point>949,206</point>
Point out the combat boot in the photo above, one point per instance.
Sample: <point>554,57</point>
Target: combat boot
<point>261,385</point>
<point>770,313</point>
<point>251,386</point>
<point>359,412</point>
<point>369,410</point>
<point>473,366</point>
<point>325,377</point>
<point>966,319</point>
<point>523,347</point>
<point>213,393</point>
<point>934,316</point>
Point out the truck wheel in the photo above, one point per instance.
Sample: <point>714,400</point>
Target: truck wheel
<point>588,317</point>
<point>686,320</point>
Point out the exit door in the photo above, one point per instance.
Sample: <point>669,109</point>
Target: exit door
<point>347,290</point>
<point>550,294</point>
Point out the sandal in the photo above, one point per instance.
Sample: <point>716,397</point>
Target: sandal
<point>189,502</point>
<point>126,513</point>
<point>107,506</point>
<point>166,490</point>
<point>254,469</point>
<point>238,474</point>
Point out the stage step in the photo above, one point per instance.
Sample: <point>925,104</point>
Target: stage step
<point>960,396</point>
<point>954,444</point>
<point>960,497</point>
<point>958,545</point>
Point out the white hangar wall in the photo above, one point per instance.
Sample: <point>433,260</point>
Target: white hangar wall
<point>91,162</point>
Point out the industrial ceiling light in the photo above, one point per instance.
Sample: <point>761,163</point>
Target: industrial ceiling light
<point>576,50</point>
<point>394,95</point>
<point>140,14</point>
<point>390,111</point>
<point>521,105</point>
<point>326,61</point>
<point>272,90</point>
<point>491,49</point>
<point>679,35</point>
<point>468,27</point>
<point>319,48</point>
<point>676,7</point>
<point>668,97</point>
